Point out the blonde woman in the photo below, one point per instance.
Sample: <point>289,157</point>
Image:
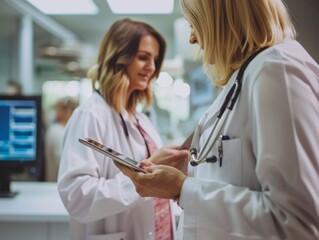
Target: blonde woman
<point>258,165</point>
<point>102,202</point>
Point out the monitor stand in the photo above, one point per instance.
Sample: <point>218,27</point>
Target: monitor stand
<point>5,180</point>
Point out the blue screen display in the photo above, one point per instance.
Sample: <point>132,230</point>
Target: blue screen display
<point>18,130</point>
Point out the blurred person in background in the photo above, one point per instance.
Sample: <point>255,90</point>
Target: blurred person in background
<point>13,88</point>
<point>101,201</point>
<point>64,108</point>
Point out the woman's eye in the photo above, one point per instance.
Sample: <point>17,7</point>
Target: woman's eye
<point>143,58</point>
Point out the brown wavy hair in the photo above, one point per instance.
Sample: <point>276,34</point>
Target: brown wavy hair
<point>117,50</point>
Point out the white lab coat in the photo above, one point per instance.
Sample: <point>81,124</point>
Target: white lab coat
<point>268,185</point>
<point>102,202</point>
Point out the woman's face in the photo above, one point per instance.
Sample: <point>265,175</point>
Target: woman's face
<point>142,69</point>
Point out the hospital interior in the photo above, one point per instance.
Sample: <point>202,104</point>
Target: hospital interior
<point>46,49</point>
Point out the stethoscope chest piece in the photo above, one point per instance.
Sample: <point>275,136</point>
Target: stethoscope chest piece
<point>194,161</point>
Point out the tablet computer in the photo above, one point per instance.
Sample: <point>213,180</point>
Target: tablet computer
<point>188,141</point>
<point>116,156</point>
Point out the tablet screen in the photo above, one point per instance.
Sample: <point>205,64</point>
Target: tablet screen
<point>112,154</point>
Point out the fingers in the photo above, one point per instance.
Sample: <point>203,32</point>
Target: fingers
<point>160,181</point>
<point>170,156</point>
<point>145,163</point>
<point>173,147</point>
<point>151,168</point>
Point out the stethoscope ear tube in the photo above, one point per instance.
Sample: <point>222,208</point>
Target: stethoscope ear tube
<point>226,101</point>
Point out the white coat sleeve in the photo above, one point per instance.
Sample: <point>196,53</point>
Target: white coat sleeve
<point>87,194</point>
<point>284,115</point>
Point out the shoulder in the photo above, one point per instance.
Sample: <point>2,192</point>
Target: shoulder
<point>94,107</point>
<point>94,115</point>
<point>95,104</point>
<point>288,54</point>
<point>280,76</point>
<point>281,64</point>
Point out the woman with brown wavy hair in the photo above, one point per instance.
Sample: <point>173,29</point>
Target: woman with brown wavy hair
<point>101,201</point>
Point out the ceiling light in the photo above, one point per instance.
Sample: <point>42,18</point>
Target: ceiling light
<point>65,7</point>
<point>141,6</point>
<point>164,80</point>
<point>181,89</point>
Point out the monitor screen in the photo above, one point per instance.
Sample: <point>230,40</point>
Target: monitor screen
<point>19,134</point>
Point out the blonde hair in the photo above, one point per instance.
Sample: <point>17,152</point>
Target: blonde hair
<point>67,103</point>
<point>229,31</point>
<point>117,50</point>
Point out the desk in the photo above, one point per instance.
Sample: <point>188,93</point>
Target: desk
<point>36,213</point>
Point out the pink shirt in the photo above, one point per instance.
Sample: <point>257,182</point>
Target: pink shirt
<point>163,220</point>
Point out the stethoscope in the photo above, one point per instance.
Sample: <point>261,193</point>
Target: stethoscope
<point>197,157</point>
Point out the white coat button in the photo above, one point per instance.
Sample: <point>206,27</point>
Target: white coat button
<point>150,233</point>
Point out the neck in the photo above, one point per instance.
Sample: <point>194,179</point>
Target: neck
<point>131,116</point>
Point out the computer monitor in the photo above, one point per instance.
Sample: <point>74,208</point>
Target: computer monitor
<point>20,132</point>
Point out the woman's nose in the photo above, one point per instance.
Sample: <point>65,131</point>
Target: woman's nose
<point>151,65</point>
<point>192,38</point>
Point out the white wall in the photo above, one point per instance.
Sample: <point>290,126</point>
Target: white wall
<point>7,68</point>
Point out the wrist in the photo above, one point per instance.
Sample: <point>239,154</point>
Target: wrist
<point>177,197</point>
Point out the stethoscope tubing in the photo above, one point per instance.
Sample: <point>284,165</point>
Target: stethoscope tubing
<point>227,106</point>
